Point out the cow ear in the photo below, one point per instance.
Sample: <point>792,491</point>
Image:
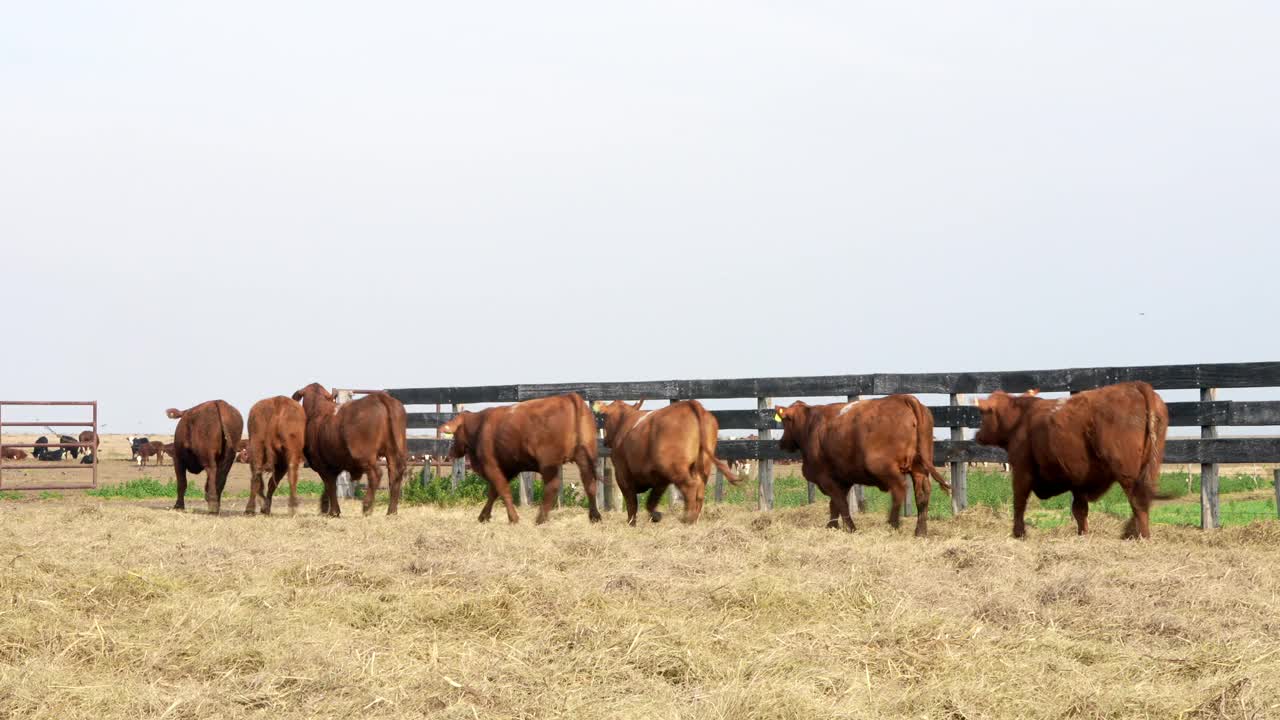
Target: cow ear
<point>637,405</point>
<point>297,395</point>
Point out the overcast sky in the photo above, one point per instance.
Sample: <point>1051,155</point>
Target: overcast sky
<point>234,199</point>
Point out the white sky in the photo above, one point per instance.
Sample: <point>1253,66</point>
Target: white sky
<point>234,199</point>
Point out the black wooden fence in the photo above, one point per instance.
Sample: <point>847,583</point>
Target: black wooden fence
<point>1208,414</point>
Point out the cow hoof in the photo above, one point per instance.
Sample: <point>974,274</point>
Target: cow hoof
<point>833,524</point>
<point>542,520</point>
<point>594,517</point>
<point>655,517</point>
<point>484,517</point>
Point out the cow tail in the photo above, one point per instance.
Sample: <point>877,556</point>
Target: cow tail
<point>1151,444</point>
<point>398,441</point>
<point>702,415</point>
<point>174,413</point>
<point>924,441</point>
<point>583,418</point>
<point>227,445</point>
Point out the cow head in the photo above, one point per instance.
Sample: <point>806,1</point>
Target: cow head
<point>315,399</point>
<point>616,415</point>
<point>461,427</point>
<point>1001,413</point>
<point>795,425</point>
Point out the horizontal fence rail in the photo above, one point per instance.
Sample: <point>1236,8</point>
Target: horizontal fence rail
<point>1162,377</point>
<point>1208,414</point>
<point>1181,414</point>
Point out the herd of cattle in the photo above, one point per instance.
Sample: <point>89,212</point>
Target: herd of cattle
<point>1082,445</point>
<point>52,452</point>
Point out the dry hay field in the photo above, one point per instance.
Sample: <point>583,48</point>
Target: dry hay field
<point>114,609</point>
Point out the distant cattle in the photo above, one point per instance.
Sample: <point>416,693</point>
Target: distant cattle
<point>87,459</point>
<point>12,453</point>
<point>533,436</point>
<point>1082,445</point>
<point>68,440</point>
<point>870,442</point>
<point>43,452</point>
<point>88,436</point>
<point>134,444</point>
<point>169,450</point>
<point>350,438</point>
<point>674,445</point>
<point>277,434</point>
<point>149,449</point>
<point>205,441</point>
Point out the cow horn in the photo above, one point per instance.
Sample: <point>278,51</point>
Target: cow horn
<point>1033,392</point>
<point>637,405</point>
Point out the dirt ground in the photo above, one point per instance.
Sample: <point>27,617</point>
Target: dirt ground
<point>114,609</point>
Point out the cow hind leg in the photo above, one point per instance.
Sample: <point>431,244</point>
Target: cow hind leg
<point>293,484</point>
<point>487,511</point>
<point>180,472</point>
<point>1139,526</point>
<point>550,491</point>
<point>1021,492</point>
<point>502,484</point>
<point>651,502</point>
<point>278,471</point>
<point>840,509</point>
<point>255,492</point>
<point>897,486</point>
<point>923,486</point>
<point>587,470</point>
<point>395,480</point>
<point>211,495</point>
<point>371,491</point>
<point>1080,511</point>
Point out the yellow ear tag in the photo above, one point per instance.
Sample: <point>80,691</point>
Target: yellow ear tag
<point>595,406</point>
<point>777,417</point>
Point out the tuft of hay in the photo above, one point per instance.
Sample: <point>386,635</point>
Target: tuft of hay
<point>112,610</point>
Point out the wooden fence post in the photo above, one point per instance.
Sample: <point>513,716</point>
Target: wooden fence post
<point>1278,492</point>
<point>526,488</point>
<point>719,486</point>
<point>1277,483</point>
<point>346,489</point>
<point>677,498</point>
<point>959,470</point>
<point>856,499</point>
<point>766,466</point>
<point>604,472</point>
<point>459,465</point>
<point>1209,473</point>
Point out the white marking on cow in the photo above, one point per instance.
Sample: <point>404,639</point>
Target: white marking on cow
<point>848,407</point>
<point>646,417</point>
<point>1058,405</point>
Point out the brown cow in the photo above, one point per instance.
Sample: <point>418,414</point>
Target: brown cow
<point>11,453</point>
<point>535,435</point>
<point>870,442</point>
<point>242,452</point>
<point>168,450</point>
<point>205,441</point>
<point>351,438</point>
<point>674,445</point>
<point>150,449</point>
<point>277,434</point>
<point>88,436</point>
<point>1082,445</point>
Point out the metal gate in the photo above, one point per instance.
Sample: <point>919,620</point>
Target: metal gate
<point>93,424</point>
